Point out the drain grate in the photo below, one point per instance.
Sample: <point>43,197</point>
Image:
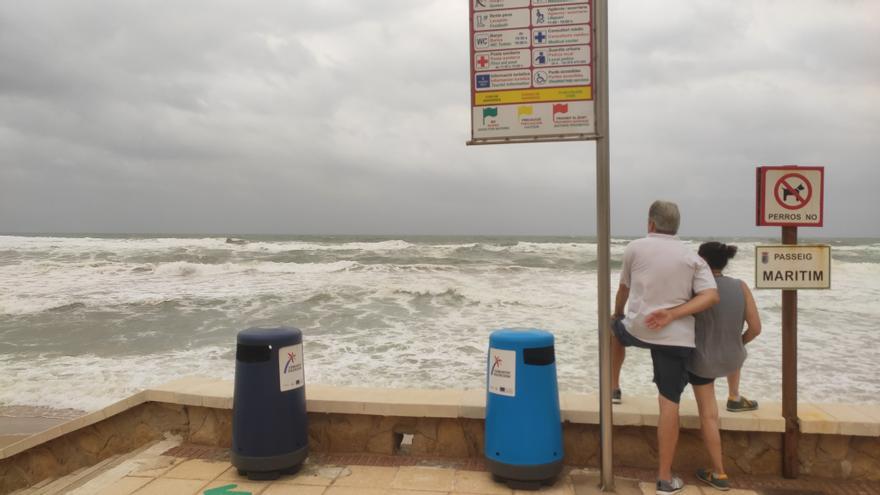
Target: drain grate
<point>204,452</point>
<point>790,491</point>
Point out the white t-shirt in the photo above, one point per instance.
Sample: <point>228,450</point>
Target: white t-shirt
<point>662,272</point>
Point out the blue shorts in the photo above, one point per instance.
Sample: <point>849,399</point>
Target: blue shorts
<point>670,362</point>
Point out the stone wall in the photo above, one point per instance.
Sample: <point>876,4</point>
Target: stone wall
<point>756,453</point>
<point>432,437</point>
<point>636,446</point>
<point>118,434</point>
<point>830,456</point>
<point>840,456</point>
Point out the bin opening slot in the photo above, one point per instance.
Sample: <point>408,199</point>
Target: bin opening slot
<point>252,353</point>
<point>540,356</point>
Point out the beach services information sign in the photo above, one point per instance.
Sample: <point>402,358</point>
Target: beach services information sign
<point>531,71</point>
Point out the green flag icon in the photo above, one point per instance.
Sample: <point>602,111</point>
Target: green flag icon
<point>225,490</point>
<point>489,112</point>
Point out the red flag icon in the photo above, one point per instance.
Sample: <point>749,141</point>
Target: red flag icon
<point>559,108</point>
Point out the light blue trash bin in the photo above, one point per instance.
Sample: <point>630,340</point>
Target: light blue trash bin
<point>523,438</point>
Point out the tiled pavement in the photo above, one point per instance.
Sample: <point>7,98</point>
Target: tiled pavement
<point>197,476</point>
<point>192,470</point>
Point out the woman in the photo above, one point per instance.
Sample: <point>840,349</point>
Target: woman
<point>720,351</point>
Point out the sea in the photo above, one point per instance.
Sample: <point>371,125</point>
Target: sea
<point>88,320</point>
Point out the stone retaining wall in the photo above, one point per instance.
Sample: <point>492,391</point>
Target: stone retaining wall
<point>758,453</point>
<point>87,446</point>
<point>449,427</point>
<point>831,456</point>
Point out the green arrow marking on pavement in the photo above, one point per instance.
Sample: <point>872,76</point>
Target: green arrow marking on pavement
<point>225,490</point>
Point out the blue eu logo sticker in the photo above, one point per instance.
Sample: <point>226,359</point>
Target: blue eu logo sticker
<point>482,81</point>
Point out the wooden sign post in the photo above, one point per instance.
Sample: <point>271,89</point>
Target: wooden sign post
<point>789,197</point>
<point>789,371</point>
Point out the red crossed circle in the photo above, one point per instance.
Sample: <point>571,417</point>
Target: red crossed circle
<point>784,183</point>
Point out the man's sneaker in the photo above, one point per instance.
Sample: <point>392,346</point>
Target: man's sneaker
<point>668,487</point>
<point>616,396</point>
<point>741,405</point>
<point>717,481</point>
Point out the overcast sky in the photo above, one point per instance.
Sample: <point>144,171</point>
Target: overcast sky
<point>350,116</point>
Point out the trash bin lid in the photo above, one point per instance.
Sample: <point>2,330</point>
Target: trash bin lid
<point>270,336</point>
<point>521,338</point>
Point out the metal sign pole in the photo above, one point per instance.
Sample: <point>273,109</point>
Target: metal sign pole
<point>603,230</point>
<point>789,371</point>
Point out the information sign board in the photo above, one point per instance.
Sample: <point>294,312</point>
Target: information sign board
<point>790,196</point>
<point>793,266</point>
<point>531,71</point>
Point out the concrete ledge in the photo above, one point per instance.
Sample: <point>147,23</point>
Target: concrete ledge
<point>840,419</point>
<point>72,425</point>
<point>830,419</point>
<point>575,408</point>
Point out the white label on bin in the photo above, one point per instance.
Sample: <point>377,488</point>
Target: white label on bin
<point>502,372</point>
<point>290,367</point>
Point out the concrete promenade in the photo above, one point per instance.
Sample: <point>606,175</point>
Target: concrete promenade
<point>167,467</point>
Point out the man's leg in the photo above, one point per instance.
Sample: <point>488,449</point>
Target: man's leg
<point>667,436</point>
<point>705,395</point>
<point>670,375</point>
<point>618,354</point>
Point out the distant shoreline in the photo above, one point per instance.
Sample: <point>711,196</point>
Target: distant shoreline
<point>803,234</point>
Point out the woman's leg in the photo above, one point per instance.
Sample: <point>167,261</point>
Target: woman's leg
<point>708,408</point>
<point>733,385</point>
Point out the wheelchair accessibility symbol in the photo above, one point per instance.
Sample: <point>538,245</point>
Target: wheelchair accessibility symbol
<point>540,78</point>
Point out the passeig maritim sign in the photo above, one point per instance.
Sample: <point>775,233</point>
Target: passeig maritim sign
<point>793,266</point>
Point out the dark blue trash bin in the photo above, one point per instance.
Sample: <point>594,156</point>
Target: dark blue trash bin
<point>269,423</point>
<point>523,424</point>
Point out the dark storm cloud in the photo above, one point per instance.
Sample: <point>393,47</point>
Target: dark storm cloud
<point>707,91</point>
<point>315,117</point>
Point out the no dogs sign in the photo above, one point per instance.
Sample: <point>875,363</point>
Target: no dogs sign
<point>790,196</point>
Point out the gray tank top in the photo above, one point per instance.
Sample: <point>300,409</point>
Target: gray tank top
<point>719,348</point>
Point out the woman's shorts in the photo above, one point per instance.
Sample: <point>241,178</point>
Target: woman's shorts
<point>699,380</point>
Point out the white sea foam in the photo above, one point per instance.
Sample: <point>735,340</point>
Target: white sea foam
<point>91,382</point>
<point>553,248</point>
<point>75,245</point>
<point>186,269</point>
<point>69,245</point>
<point>284,246</point>
<point>34,287</point>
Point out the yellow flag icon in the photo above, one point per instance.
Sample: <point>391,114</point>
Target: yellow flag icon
<point>524,110</point>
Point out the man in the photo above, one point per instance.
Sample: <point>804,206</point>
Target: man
<point>664,283</point>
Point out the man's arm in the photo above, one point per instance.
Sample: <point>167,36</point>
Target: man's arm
<point>702,301</point>
<point>620,302</point>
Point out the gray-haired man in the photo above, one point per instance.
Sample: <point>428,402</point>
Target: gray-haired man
<point>665,283</point>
